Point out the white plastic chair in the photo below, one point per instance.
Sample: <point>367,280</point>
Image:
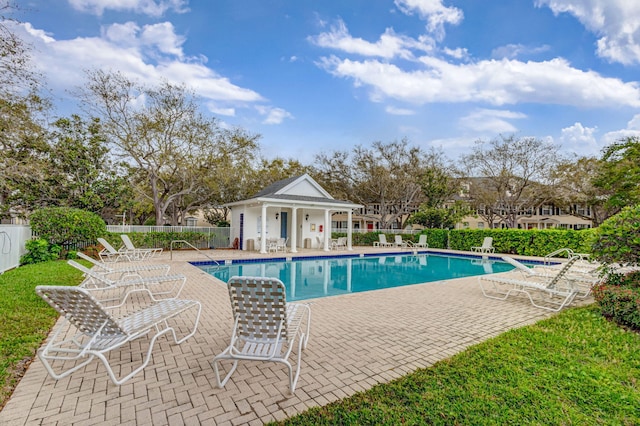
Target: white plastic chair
<point>99,332</point>
<point>382,241</point>
<point>281,244</point>
<point>265,326</point>
<point>486,247</point>
<point>422,242</point>
<point>339,243</point>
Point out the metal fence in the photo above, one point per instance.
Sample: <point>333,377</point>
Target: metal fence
<point>12,245</point>
<point>216,236</point>
<point>382,231</point>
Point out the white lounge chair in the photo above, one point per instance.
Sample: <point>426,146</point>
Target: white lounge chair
<point>139,253</point>
<point>265,326</point>
<point>382,241</point>
<point>556,291</point>
<point>110,254</point>
<point>422,242</point>
<point>137,270</point>
<point>399,242</point>
<point>168,286</point>
<point>100,332</point>
<point>486,247</point>
<point>582,281</point>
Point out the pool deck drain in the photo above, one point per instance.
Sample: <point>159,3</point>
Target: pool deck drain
<point>357,340</point>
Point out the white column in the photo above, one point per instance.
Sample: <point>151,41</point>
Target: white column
<point>327,230</point>
<point>263,229</point>
<point>294,229</point>
<point>349,229</point>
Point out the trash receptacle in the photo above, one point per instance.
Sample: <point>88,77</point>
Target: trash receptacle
<point>307,243</point>
<point>251,245</point>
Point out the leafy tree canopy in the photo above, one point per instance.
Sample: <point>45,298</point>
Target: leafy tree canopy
<point>66,225</point>
<point>617,239</point>
<point>620,173</point>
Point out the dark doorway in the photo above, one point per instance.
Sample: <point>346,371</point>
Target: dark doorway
<point>283,224</point>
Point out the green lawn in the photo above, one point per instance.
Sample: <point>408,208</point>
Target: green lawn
<point>25,318</point>
<point>574,368</point>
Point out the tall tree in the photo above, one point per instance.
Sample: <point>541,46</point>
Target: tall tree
<point>243,178</point>
<point>82,172</point>
<point>17,75</point>
<point>22,142</point>
<point>517,171</point>
<point>161,131</point>
<point>619,174</point>
<point>384,175</point>
<point>576,192</point>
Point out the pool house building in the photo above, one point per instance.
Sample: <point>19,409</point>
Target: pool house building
<point>296,209</point>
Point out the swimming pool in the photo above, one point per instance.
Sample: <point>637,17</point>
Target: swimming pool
<point>330,276</point>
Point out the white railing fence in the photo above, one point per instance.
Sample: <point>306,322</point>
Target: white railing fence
<point>12,245</point>
<point>217,236</point>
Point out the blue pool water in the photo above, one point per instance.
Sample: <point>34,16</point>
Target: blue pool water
<point>312,278</point>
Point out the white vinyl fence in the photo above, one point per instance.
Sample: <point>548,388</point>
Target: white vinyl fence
<point>12,241</point>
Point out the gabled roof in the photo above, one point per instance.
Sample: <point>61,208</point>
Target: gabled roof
<point>303,185</point>
<point>299,190</point>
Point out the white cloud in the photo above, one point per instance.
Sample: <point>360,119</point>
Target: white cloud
<point>634,123</point>
<point>632,130</point>
<point>148,7</point>
<point>390,45</point>
<point>512,51</point>
<point>434,12</point>
<point>149,54</point>
<point>490,81</point>
<point>215,109</point>
<point>453,147</point>
<point>491,121</point>
<point>616,22</point>
<point>160,37</point>
<point>580,139</point>
<point>459,53</point>
<point>399,111</point>
<point>273,115</point>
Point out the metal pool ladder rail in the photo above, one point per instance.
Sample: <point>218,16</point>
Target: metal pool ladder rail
<point>196,249</point>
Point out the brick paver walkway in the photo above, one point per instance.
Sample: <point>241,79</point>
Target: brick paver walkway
<point>357,340</point>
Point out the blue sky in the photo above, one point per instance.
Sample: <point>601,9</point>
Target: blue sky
<point>318,76</point>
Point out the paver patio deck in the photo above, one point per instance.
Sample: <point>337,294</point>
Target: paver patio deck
<point>357,340</point>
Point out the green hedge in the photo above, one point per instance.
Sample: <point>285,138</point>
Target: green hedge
<point>511,241</point>
<point>160,239</point>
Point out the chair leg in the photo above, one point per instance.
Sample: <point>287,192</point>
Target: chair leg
<point>145,361</point>
<point>223,382</point>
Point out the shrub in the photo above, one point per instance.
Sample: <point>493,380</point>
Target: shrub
<point>620,303</point>
<point>40,251</point>
<point>66,225</point>
<point>617,241</point>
